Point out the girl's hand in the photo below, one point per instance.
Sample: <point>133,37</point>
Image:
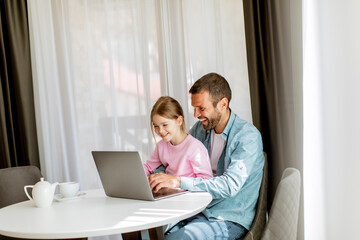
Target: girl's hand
<point>162,180</point>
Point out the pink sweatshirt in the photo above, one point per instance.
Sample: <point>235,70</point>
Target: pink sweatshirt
<point>188,159</point>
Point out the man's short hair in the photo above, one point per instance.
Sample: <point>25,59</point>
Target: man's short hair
<point>215,84</point>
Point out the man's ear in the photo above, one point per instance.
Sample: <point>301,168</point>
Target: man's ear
<point>223,103</point>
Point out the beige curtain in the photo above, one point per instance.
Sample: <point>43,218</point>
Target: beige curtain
<point>18,141</point>
<point>274,49</point>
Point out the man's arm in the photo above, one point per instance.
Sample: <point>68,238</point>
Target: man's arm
<point>246,155</point>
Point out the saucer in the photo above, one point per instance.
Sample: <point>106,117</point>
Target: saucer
<point>61,198</point>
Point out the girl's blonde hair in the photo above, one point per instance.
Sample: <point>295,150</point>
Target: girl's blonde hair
<point>169,108</point>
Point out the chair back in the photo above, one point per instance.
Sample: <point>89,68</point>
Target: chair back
<point>259,222</point>
<point>284,212</point>
<point>12,182</point>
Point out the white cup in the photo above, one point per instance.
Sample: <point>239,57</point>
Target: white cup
<point>69,189</point>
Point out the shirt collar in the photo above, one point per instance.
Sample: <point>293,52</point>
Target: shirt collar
<point>226,131</point>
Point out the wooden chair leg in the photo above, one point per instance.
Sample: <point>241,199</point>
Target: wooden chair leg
<point>156,233</point>
<point>132,235</point>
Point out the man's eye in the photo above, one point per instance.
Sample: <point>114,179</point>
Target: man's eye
<point>202,109</point>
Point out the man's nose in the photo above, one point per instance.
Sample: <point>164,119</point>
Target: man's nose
<point>196,113</point>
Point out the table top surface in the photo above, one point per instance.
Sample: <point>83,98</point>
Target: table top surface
<point>97,215</point>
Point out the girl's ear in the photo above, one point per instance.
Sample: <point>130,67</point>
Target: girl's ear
<point>180,120</point>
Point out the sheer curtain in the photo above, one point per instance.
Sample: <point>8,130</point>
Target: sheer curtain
<point>331,119</point>
<point>100,65</point>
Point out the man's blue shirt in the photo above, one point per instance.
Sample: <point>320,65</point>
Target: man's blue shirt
<point>235,189</point>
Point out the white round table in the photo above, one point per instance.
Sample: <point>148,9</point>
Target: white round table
<point>97,215</point>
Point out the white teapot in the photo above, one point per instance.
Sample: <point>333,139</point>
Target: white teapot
<point>43,193</point>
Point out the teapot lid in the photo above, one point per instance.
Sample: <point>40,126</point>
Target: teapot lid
<point>42,182</point>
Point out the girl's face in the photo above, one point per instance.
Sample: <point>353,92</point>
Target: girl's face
<point>167,129</point>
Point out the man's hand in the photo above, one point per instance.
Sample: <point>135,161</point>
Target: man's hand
<point>162,180</point>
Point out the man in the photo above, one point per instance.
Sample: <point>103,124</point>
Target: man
<point>237,160</point>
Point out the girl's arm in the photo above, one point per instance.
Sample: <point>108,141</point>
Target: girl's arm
<point>200,162</point>
<point>153,162</point>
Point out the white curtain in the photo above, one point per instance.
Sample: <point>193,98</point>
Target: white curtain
<point>99,66</point>
<point>331,119</point>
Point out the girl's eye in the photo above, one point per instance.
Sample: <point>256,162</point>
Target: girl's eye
<point>165,125</point>
<point>156,127</point>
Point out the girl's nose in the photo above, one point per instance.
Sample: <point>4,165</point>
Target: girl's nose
<point>161,130</point>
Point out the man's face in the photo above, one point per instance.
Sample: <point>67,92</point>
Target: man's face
<point>204,110</point>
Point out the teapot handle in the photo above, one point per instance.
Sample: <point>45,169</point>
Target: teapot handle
<point>26,192</point>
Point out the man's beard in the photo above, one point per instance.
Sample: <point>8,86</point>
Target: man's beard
<point>213,121</point>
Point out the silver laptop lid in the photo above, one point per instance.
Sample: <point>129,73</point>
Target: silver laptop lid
<point>122,175</point>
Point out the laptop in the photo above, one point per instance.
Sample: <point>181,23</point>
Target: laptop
<point>122,175</point>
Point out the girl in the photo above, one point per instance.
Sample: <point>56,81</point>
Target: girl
<point>178,151</point>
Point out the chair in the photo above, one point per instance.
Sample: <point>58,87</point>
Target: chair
<point>284,213</point>
<point>12,182</point>
<point>259,222</point>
